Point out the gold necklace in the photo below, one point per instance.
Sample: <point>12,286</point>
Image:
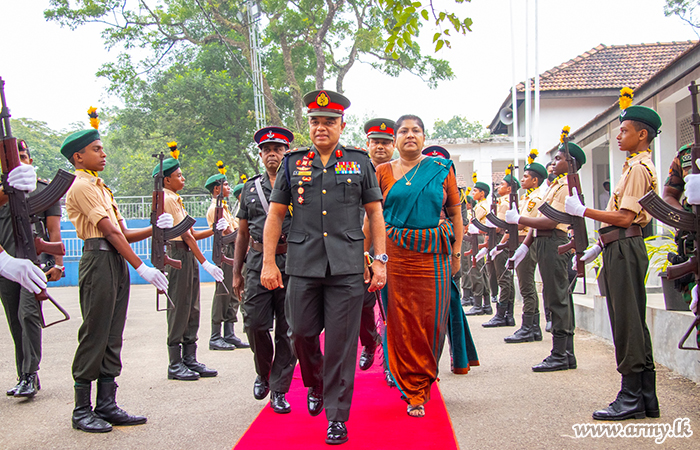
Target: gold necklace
<point>408,182</point>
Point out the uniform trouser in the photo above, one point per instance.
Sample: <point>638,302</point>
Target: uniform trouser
<point>103,285</point>
<point>505,278</point>
<point>261,309</point>
<point>183,289</point>
<point>369,337</point>
<point>23,313</point>
<point>477,274</point>
<point>333,303</point>
<point>526,282</point>
<point>492,271</point>
<point>465,265</point>
<point>555,281</point>
<point>224,306</point>
<point>625,264</point>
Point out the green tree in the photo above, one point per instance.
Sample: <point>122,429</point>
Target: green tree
<point>458,127</point>
<point>44,146</point>
<point>685,9</point>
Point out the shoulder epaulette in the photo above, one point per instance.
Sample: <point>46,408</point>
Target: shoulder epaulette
<point>295,150</point>
<point>254,177</point>
<point>357,149</point>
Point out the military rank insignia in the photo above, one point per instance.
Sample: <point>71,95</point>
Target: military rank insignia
<point>347,167</point>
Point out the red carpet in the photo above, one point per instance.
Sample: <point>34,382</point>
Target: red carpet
<point>378,420</point>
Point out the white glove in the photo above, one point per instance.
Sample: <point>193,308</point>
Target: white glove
<point>495,251</point>
<point>482,253</point>
<point>694,303</point>
<point>692,188</point>
<point>214,271</point>
<point>153,276</point>
<point>573,205</point>
<point>591,253</point>
<point>222,224</point>
<point>519,254</point>
<point>23,177</point>
<point>22,271</point>
<point>489,224</point>
<point>512,216</point>
<point>164,221</point>
<point>472,229</point>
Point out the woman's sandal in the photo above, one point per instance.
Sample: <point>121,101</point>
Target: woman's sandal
<point>419,409</point>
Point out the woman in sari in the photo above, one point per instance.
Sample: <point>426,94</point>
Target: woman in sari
<point>423,254</point>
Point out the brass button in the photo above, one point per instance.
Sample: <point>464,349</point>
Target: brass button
<point>300,183</point>
<point>349,180</point>
<point>325,234</point>
<point>323,191</point>
<point>324,213</point>
<point>324,171</point>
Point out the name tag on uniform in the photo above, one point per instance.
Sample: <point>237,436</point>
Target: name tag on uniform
<point>302,173</point>
<point>347,167</point>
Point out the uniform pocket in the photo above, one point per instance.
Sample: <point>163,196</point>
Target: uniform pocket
<point>351,187</point>
<point>297,237</point>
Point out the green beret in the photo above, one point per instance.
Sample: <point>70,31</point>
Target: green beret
<point>642,114</point>
<point>483,186</point>
<point>509,179</point>
<point>170,165</point>
<point>237,190</point>
<point>471,200</point>
<point>213,181</point>
<point>539,169</point>
<point>576,152</point>
<point>78,141</point>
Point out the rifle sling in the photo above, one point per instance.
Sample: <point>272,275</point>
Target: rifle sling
<point>261,196</point>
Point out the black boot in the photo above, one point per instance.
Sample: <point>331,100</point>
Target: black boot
<point>279,404</point>
<point>10,392</point>
<point>629,402</point>
<point>189,358</point>
<point>524,334</point>
<point>477,309</point>
<point>510,320</point>
<point>557,359</point>
<point>488,310</point>
<point>570,351</point>
<point>231,338</point>
<point>107,409</point>
<point>29,385</point>
<point>548,318</point>
<point>467,298</point>
<point>216,342</point>
<point>499,320</point>
<point>177,370</point>
<point>84,418</point>
<point>536,330</point>
<point>651,402</point>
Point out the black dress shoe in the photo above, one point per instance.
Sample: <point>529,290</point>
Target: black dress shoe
<point>279,404</point>
<point>389,379</point>
<point>11,392</point>
<point>367,358</point>
<point>314,400</point>
<point>29,385</point>
<point>337,433</point>
<point>261,387</point>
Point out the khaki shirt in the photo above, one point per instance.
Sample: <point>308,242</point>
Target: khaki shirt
<point>638,178</point>
<point>480,211</point>
<point>503,206</point>
<point>173,205</point>
<point>529,204</point>
<point>88,201</point>
<point>556,197</point>
<point>211,212</point>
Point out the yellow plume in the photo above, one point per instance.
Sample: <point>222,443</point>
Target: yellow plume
<point>221,167</point>
<point>532,156</point>
<point>244,178</point>
<point>626,96</point>
<point>474,177</point>
<point>174,152</point>
<point>94,120</point>
<point>564,133</point>
<point>509,169</point>
<point>468,190</point>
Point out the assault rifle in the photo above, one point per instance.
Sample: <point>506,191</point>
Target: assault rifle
<point>490,233</point>
<point>160,237</point>
<point>511,229</point>
<point>578,224</point>
<point>24,210</point>
<point>682,219</point>
<point>220,241</point>
<point>473,242</point>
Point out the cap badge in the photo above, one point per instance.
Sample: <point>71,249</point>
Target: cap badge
<point>622,114</point>
<point>382,126</point>
<point>322,99</point>
<point>270,135</point>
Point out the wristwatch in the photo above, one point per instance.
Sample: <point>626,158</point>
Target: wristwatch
<point>382,258</point>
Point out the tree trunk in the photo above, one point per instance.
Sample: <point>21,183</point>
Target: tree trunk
<point>294,87</point>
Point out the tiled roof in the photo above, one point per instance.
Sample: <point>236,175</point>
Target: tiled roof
<point>611,67</point>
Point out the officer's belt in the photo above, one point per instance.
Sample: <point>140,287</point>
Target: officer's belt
<point>180,245</point>
<point>98,244</point>
<point>608,235</point>
<point>549,233</point>
<point>258,246</point>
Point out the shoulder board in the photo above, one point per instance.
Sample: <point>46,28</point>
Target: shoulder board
<point>254,177</point>
<point>357,149</point>
<point>295,150</point>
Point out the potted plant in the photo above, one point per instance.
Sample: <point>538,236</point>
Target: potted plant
<point>658,249</point>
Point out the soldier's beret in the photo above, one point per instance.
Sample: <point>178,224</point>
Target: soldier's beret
<point>78,141</point>
<point>436,150</point>
<point>539,169</point>
<point>576,151</point>
<point>170,165</point>
<point>642,114</point>
<point>471,200</point>
<point>483,186</point>
<point>237,190</point>
<point>325,103</point>
<point>380,129</point>
<point>213,181</point>
<point>510,179</point>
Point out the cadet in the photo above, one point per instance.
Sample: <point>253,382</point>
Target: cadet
<point>625,264</point>
<point>380,145</point>
<point>224,305</point>
<point>325,184</point>
<point>480,285</point>
<point>263,308</point>
<point>103,283</point>
<point>544,238</point>
<point>534,174</point>
<point>183,315</point>
<point>468,204</point>
<point>22,310</point>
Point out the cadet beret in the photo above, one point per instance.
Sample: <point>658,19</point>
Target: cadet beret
<point>576,151</point>
<point>509,179</point>
<point>237,190</point>
<point>325,103</point>
<point>380,129</point>
<point>170,165</point>
<point>78,141</point>
<point>471,200</point>
<point>538,169</point>
<point>277,135</point>
<point>436,150</point>
<point>642,114</point>
<point>483,186</point>
<point>213,181</point>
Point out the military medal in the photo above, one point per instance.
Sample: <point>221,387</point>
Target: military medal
<point>300,200</point>
<point>300,190</point>
<point>305,179</point>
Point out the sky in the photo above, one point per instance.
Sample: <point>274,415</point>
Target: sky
<point>49,71</point>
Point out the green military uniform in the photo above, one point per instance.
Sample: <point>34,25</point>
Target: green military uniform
<point>263,308</point>
<point>477,274</point>
<point>463,275</point>
<point>326,265</point>
<point>369,337</point>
